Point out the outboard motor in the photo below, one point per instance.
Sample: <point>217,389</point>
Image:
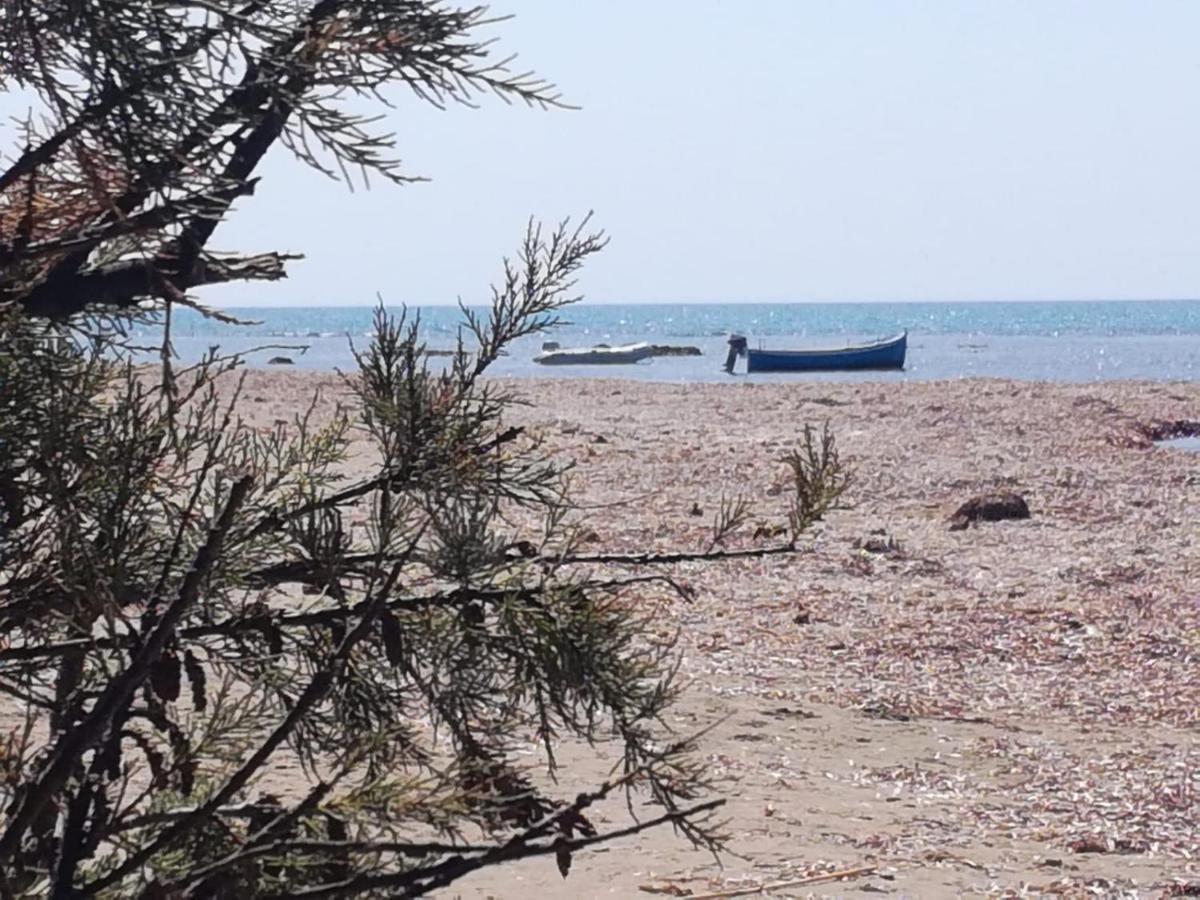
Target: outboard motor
<point>737,347</point>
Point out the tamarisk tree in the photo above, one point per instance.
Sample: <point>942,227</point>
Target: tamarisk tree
<point>188,604</point>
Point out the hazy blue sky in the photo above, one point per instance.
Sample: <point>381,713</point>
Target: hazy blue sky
<point>789,150</point>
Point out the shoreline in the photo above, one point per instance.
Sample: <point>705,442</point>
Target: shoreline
<point>1077,359</point>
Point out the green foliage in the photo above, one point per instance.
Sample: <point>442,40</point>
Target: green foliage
<point>191,606</point>
<point>819,479</point>
<point>422,649</point>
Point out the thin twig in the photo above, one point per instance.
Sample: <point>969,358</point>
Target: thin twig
<point>780,885</point>
<point>92,729</point>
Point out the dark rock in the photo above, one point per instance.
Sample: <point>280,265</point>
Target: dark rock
<point>695,510</point>
<point>990,508</point>
<point>878,541</point>
<point>1169,429</point>
<point>521,550</point>
<point>877,545</point>
<point>280,361</point>
<point>669,350</point>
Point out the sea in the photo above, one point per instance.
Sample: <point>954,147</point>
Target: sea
<point>1066,341</point>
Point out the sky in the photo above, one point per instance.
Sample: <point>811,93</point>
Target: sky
<point>785,150</point>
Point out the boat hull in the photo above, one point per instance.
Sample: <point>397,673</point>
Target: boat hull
<point>888,354</point>
<point>597,356</point>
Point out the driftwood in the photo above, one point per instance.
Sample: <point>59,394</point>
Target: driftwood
<point>990,508</point>
<point>795,882</point>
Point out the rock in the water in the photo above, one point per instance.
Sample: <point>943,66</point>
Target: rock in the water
<point>990,508</point>
<point>280,361</point>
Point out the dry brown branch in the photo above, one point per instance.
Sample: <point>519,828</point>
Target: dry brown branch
<point>790,883</point>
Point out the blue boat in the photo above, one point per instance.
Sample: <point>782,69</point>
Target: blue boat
<point>887,353</point>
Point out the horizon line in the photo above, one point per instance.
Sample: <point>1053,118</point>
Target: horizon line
<point>586,302</point>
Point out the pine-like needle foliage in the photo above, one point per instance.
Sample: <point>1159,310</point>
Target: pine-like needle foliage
<point>189,605</point>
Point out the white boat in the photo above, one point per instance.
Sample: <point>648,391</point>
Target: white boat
<point>554,355</point>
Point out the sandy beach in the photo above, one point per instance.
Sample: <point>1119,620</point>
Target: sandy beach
<point>258,643</point>
<point>1012,707</point>
<point>1007,710</point>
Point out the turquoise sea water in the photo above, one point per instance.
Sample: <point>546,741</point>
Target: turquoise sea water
<point>1058,341</point>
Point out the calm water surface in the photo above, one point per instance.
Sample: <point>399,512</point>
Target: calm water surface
<point>1059,341</point>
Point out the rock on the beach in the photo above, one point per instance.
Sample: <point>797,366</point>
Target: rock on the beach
<point>990,508</point>
<point>280,361</point>
<point>1167,429</point>
<point>878,541</point>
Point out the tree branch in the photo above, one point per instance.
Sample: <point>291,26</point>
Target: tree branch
<point>330,616</point>
<point>420,882</point>
<point>318,686</point>
<point>661,559</point>
<point>124,284</point>
<point>91,730</point>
